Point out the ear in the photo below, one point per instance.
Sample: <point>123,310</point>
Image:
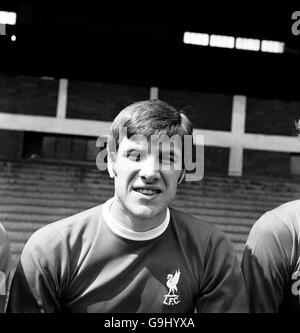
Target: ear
<point>110,165</point>
<point>181,177</point>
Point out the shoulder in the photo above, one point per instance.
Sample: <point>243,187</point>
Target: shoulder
<point>68,230</point>
<point>289,212</point>
<point>4,239</point>
<point>205,244</point>
<point>284,219</point>
<point>87,219</point>
<point>4,244</point>
<point>196,228</point>
<point>276,232</point>
<point>3,235</point>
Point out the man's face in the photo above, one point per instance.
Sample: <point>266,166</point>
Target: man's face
<point>146,176</point>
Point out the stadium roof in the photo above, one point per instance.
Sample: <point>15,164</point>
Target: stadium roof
<point>142,43</point>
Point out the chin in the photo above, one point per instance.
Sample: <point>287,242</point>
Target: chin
<point>145,212</point>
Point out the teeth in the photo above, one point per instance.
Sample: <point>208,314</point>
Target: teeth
<point>147,192</point>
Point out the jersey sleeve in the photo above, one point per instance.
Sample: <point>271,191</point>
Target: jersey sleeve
<point>5,266</point>
<point>41,274</point>
<point>222,287</point>
<point>266,263</point>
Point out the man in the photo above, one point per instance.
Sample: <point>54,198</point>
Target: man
<point>271,261</point>
<point>5,266</point>
<point>133,253</point>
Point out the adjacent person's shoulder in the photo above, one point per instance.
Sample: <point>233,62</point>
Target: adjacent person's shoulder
<point>289,212</point>
<point>3,233</point>
<point>285,218</point>
<point>4,239</point>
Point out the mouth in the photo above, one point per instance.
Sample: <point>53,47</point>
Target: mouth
<point>147,191</point>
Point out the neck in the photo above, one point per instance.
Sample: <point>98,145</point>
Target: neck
<point>132,222</point>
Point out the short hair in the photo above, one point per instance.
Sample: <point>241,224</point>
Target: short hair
<point>151,117</point>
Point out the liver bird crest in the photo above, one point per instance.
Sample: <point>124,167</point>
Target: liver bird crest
<point>172,280</point>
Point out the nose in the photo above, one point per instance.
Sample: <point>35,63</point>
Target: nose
<point>149,170</point>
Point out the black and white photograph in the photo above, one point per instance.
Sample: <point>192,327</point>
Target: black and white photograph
<point>149,160</point>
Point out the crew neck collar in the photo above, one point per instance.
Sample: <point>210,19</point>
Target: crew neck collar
<point>127,233</point>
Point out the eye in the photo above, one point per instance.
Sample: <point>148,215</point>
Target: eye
<point>166,158</point>
<point>134,155</point>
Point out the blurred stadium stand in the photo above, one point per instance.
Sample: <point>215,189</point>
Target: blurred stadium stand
<point>34,194</point>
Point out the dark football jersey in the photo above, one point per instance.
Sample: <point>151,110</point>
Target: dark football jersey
<point>271,261</point>
<point>85,263</point>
